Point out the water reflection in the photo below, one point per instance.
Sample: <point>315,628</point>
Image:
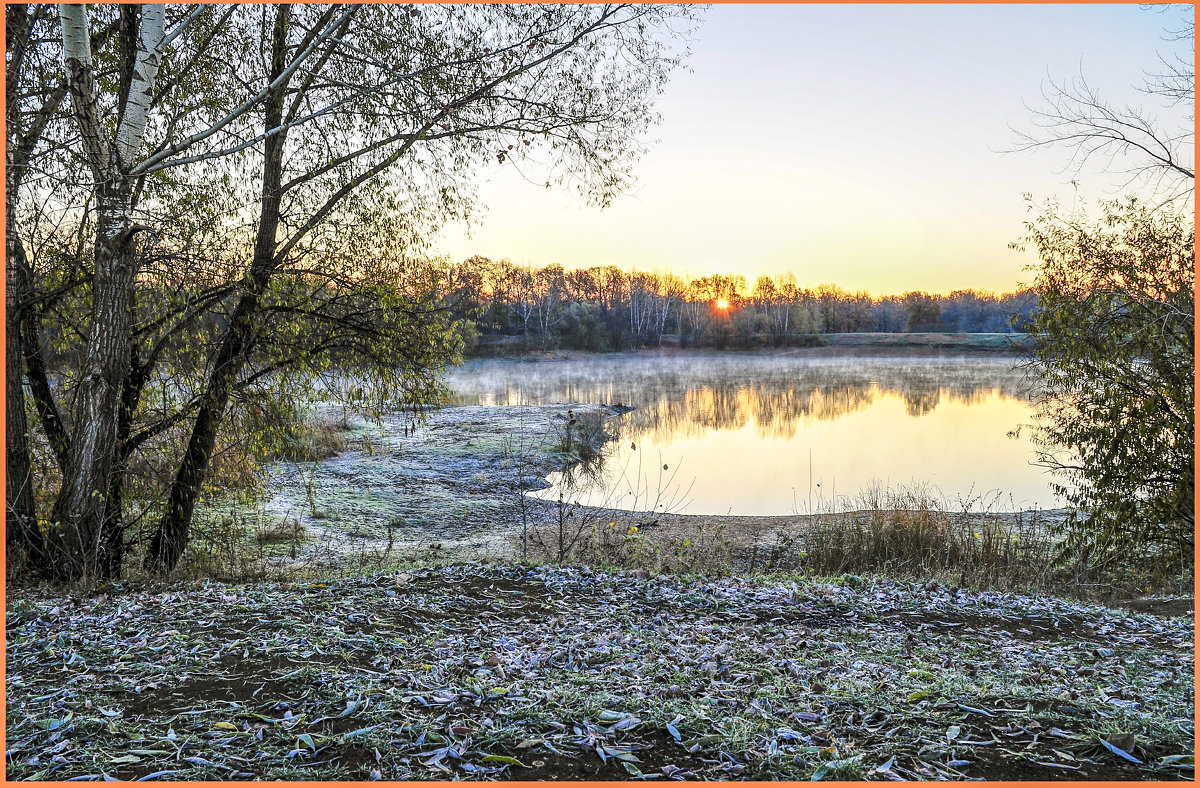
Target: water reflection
<point>740,430</point>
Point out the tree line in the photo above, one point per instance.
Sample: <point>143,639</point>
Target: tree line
<point>608,308</point>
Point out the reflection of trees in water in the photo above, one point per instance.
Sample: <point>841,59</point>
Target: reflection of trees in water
<point>688,395</point>
<point>777,410</point>
<point>923,397</point>
<point>780,412</point>
<point>709,407</point>
<point>920,400</point>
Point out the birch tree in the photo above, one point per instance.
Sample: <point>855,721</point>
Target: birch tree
<point>78,513</point>
<point>319,168</point>
<point>671,293</point>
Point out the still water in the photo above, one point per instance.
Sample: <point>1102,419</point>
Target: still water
<point>770,434</point>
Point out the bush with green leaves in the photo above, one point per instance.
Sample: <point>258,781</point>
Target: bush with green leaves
<point>1116,348</point>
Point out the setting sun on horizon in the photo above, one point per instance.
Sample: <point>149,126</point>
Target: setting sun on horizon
<point>857,145</point>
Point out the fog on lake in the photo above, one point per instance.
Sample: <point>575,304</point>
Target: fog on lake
<point>767,434</point>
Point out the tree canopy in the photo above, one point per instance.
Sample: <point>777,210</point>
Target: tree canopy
<point>224,207</point>
<point>1115,335</point>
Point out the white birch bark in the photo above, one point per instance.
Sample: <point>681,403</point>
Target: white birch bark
<point>77,61</point>
<point>141,88</point>
<point>80,508</point>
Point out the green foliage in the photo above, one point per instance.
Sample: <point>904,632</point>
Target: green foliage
<point>1116,346</point>
<point>281,265</point>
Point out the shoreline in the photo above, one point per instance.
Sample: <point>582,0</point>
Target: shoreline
<point>851,344</point>
<point>458,488</point>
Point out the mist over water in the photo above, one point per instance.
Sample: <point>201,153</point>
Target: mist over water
<point>782,433</point>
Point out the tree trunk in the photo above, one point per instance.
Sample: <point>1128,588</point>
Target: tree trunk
<point>23,535</point>
<point>78,517</point>
<point>171,536</point>
<point>29,324</point>
<point>18,493</point>
<point>111,556</point>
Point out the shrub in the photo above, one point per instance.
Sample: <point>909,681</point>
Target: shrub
<point>1116,346</point>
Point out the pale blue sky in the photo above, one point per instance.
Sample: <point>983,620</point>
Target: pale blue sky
<point>857,145</point>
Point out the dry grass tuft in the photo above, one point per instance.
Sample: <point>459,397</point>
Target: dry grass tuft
<point>580,436</point>
<point>907,533</point>
<point>310,441</point>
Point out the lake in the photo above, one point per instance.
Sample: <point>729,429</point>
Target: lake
<point>785,433</point>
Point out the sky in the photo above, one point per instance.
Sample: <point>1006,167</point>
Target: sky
<point>862,146</point>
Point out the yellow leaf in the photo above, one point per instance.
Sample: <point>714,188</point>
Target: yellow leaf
<point>225,726</point>
<point>505,759</point>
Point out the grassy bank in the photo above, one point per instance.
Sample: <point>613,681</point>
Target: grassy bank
<point>988,343</point>
<point>852,343</point>
<point>471,671</point>
<point>900,534</point>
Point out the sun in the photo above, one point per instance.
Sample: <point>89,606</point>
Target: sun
<point>722,303</point>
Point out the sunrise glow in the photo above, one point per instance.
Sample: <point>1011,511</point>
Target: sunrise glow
<point>813,187</point>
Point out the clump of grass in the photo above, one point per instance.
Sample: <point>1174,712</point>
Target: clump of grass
<point>281,532</point>
<point>580,435</point>
<point>223,547</point>
<point>309,441</point>
<point>899,532</point>
<point>242,546</point>
<point>909,532</point>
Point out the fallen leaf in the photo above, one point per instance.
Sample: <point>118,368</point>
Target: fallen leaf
<point>1118,751</point>
<point>1184,761</point>
<point>505,759</point>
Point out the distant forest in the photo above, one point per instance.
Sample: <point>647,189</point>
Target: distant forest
<point>605,308</point>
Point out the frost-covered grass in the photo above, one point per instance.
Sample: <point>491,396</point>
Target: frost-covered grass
<point>471,671</point>
<point>452,484</point>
